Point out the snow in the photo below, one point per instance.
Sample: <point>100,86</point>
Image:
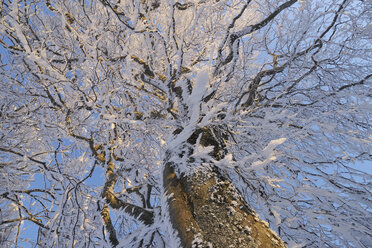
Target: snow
<point>197,241</point>
<point>244,31</point>
<point>272,145</point>
<point>194,103</point>
<point>291,156</point>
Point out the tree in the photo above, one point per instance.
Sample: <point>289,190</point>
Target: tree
<point>190,123</point>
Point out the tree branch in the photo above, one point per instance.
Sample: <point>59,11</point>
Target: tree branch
<point>105,213</point>
<point>252,28</point>
<point>142,214</point>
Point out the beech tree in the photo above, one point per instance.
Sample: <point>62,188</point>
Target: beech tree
<point>185,123</point>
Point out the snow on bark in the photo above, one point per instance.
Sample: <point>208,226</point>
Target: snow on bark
<point>156,123</point>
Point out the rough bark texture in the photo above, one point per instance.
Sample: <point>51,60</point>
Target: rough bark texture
<point>208,211</point>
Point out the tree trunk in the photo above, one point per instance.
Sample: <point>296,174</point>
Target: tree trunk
<point>208,211</point>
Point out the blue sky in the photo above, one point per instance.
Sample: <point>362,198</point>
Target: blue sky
<point>30,230</point>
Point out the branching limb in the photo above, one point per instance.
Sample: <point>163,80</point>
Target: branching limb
<point>121,16</point>
<point>250,29</point>
<point>142,214</point>
<point>31,217</point>
<point>22,155</point>
<point>105,213</point>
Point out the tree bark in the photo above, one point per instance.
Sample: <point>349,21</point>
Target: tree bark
<point>208,211</point>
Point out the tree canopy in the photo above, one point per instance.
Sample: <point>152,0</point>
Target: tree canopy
<point>97,96</point>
